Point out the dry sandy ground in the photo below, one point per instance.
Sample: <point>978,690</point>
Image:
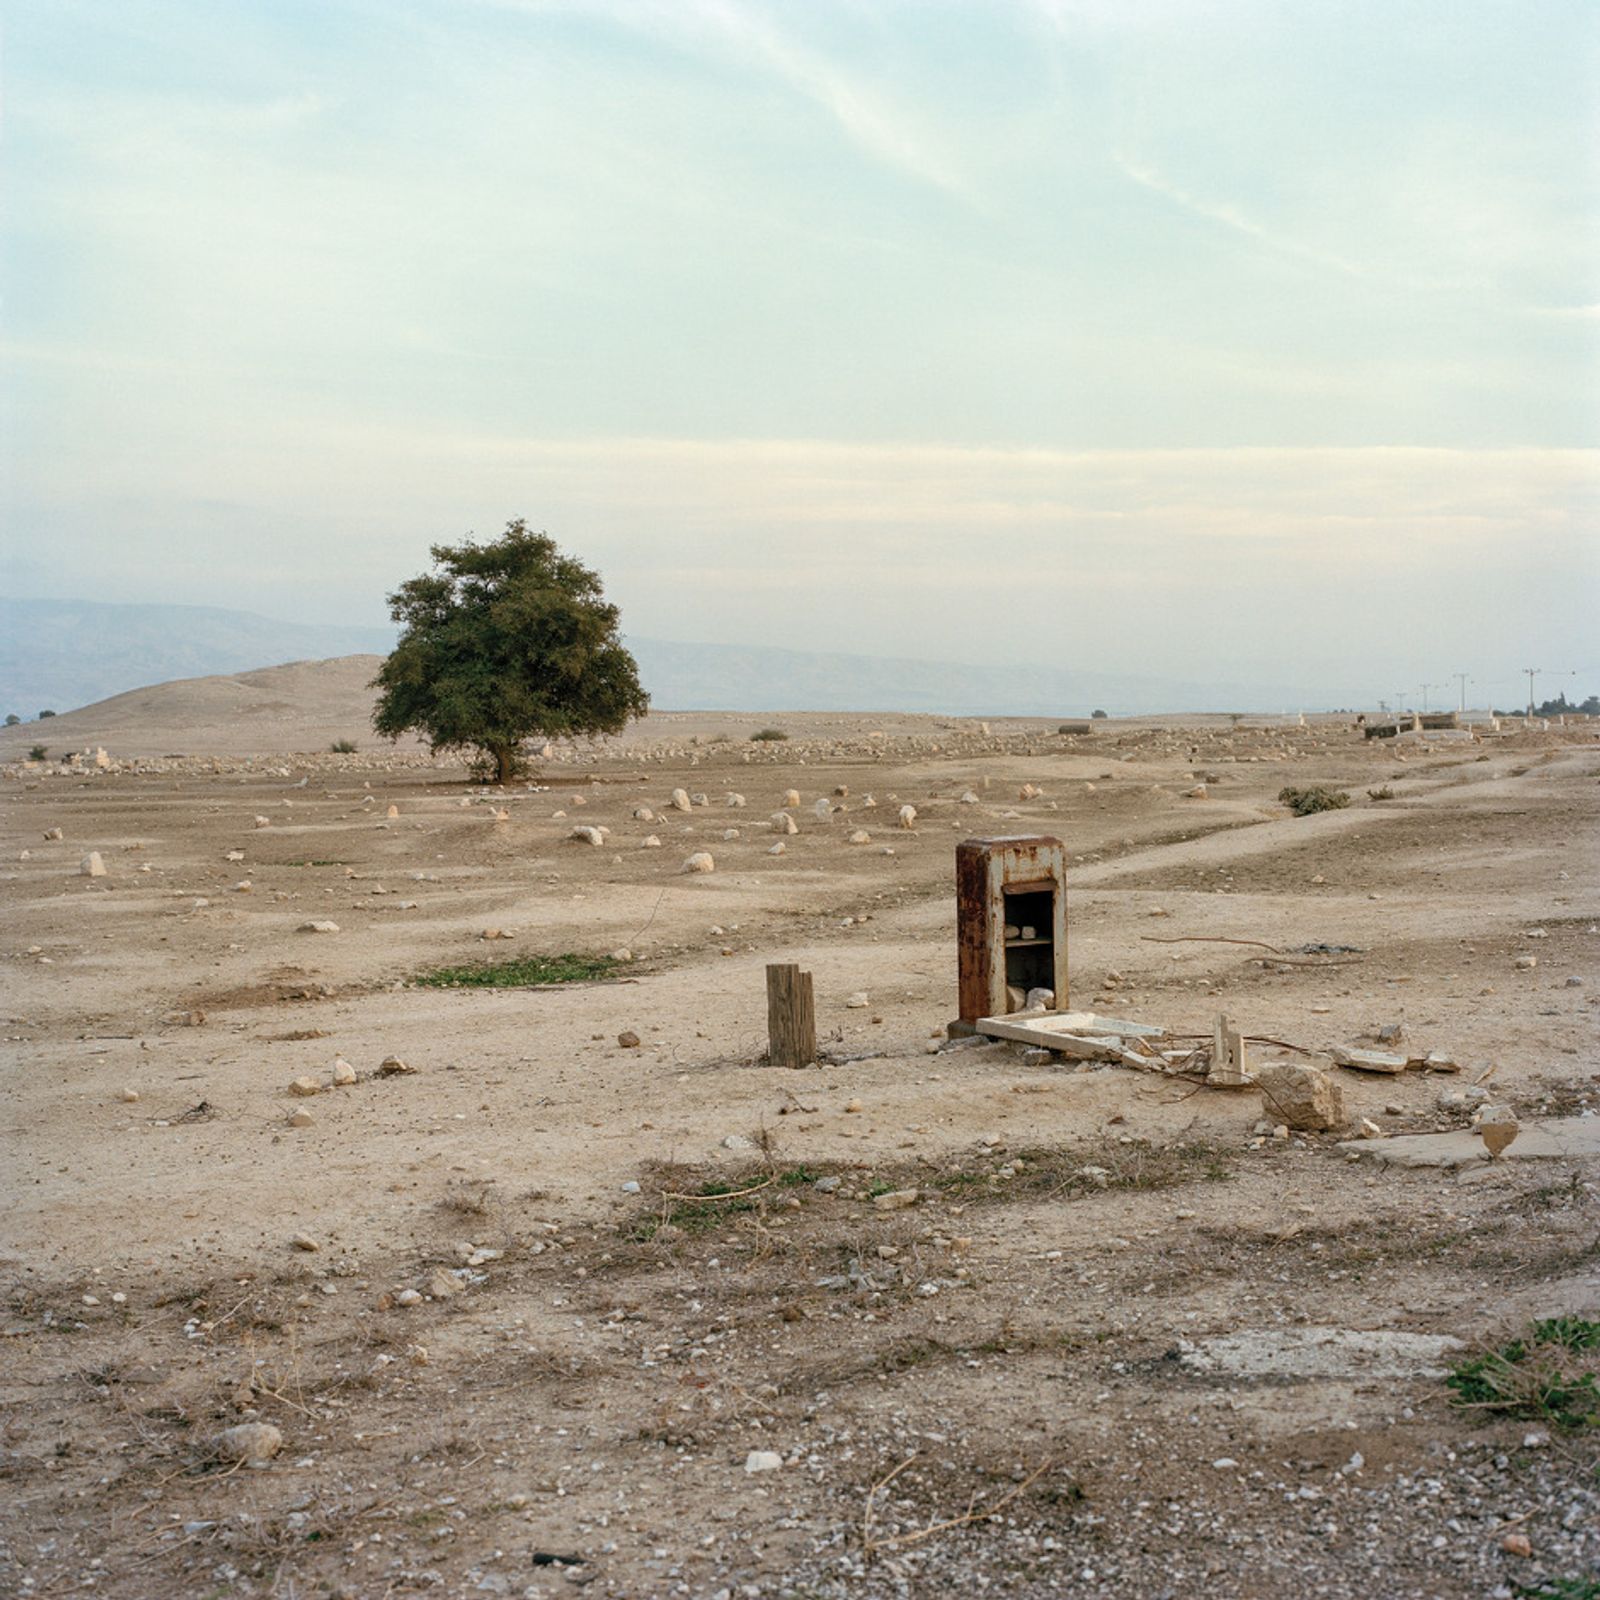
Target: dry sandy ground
<point>589,1367</point>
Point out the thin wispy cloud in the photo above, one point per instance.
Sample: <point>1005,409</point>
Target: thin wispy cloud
<point>815,324</point>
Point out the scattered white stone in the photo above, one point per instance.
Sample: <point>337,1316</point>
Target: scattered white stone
<point>92,866</point>
<point>408,1297</point>
<point>908,816</point>
<point>700,861</point>
<point>969,798</point>
<point>858,1001</point>
<point>129,1095</point>
<point>777,849</point>
<point>301,1118</point>
<point>782,822</point>
<point>303,1241</point>
<point>343,1073</point>
<point>791,798</point>
<point>651,842</point>
<point>319,927</point>
<point>305,1087</point>
<point>763,1461</point>
<point>860,836</point>
<point>586,835</point>
<point>735,801</point>
<point>680,800</point>
<point>643,814</point>
<point>896,1199</point>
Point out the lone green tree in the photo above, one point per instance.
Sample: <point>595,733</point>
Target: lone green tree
<point>502,641</point>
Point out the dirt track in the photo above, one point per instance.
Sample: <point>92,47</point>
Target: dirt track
<point>595,1388</point>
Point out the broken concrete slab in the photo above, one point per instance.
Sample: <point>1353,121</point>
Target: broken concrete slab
<point>1569,1138</point>
<point>1302,1097</point>
<point>1369,1060</point>
<point>1312,1353</point>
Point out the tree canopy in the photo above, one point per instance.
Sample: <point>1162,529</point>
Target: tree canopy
<point>501,642</point>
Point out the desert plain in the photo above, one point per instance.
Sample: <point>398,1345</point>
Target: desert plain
<point>579,1294</point>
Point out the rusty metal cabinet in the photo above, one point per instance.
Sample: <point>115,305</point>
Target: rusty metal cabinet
<point>1011,923</point>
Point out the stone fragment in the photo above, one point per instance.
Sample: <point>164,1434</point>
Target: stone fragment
<point>52,833</point>
<point>301,1118</point>
<point>263,822</point>
<point>643,814</point>
<point>394,1067</point>
<point>1370,1129</point>
<point>583,834</point>
<point>791,797</point>
<point>860,836</point>
<point>92,866</point>
<point>651,842</point>
<point>443,1284</point>
<point>1369,1060</point>
<point>303,1241</point>
<point>858,1001</point>
<point>393,811</point>
<point>735,802</point>
<point>319,927</point>
<point>1527,963</point>
<point>128,1095</point>
<point>896,1199</point>
<point>700,861</point>
<point>763,1461</point>
<point>343,1073</point>
<point>408,1297</point>
<point>1303,1097</point>
<point>680,800</point>
<point>305,1086</point>
<point>628,1039</point>
<point>782,822</point>
<point>253,1443</point>
<point>908,816</point>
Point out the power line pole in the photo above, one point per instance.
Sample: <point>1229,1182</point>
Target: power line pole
<point>1463,680</point>
<point>1533,672</point>
<point>1425,688</point>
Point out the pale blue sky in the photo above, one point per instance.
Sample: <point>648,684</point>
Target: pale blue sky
<point>824,324</point>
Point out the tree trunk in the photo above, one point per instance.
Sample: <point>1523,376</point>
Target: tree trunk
<point>505,759</point>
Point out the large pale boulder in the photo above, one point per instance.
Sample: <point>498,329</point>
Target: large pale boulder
<point>1303,1097</point>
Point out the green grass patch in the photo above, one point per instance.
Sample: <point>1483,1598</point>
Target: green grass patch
<point>768,736</point>
<point>1550,1374</point>
<point>1306,802</point>
<point>520,972</point>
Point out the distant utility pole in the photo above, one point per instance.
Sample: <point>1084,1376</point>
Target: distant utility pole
<point>1541,672</point>
<point>1463,680</point>
<point>1425,688</point>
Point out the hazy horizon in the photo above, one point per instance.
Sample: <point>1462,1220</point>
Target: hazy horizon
<point>1225,340</point>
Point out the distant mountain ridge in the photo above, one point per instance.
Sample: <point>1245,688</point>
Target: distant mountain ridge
<point>62,654</point>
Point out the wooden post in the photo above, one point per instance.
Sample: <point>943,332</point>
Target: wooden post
<point>791,1017</point>
<point>1227,1057</point>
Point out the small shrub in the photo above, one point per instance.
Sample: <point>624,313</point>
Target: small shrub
<point>1306,802</point>
<point>343,747</point>
<point>1099,716</point>
<point>521,972</point>
<point>1385,793</point>
<point>768,736</point>
<point>44,714</point>
<point>12,719</point>
<point>1551,1374</point>
<point>38,752</point>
